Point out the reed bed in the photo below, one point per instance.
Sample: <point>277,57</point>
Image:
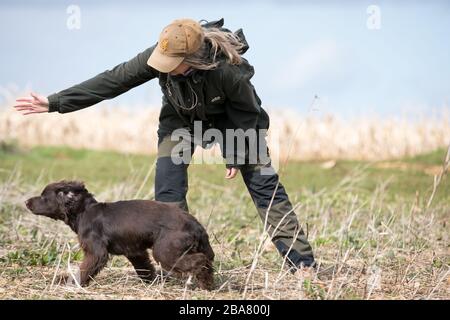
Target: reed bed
<point>303,138</point>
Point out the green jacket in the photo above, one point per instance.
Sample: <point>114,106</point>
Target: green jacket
<point>226,97</point>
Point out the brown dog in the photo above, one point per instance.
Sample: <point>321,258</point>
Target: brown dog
<point>129,228</point>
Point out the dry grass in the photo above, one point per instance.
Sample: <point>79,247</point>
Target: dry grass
<point>367,248</point>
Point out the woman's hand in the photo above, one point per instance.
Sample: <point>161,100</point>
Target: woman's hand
<point>231,173</point>
<point>33,104</point>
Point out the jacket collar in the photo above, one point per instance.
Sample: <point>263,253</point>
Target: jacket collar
<point>194,74</point>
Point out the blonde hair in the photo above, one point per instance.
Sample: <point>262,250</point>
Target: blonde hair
<point>216,42</point>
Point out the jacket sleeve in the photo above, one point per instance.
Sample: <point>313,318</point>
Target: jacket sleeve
<point>105,85</point>
<point>243,109</point>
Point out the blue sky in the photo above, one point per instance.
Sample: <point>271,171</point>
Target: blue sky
<point>299,49</point>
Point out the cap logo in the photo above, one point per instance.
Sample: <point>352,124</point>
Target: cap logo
<point>164,44</point>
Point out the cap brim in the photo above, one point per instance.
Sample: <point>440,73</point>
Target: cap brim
<point>163,63</point>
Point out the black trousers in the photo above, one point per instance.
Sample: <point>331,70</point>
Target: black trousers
<point>268,194</point>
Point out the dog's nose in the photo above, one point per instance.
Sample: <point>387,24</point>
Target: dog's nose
<point>28,203</point>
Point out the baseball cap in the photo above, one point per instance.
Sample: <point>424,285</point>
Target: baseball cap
<point>178,39</point>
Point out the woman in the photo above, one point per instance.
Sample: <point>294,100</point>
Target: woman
<point>204,79</point>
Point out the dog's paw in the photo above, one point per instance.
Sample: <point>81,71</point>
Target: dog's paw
<point>206,285</point>
<point>70,278</point>
<point>62,279</point>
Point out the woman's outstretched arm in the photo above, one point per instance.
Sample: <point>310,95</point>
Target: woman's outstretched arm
<point>106,85</point>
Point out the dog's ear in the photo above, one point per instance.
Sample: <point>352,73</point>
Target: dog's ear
<point>69,195</point>
<point>65,195</point>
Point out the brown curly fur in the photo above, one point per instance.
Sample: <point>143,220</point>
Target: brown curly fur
<point>129,228</point>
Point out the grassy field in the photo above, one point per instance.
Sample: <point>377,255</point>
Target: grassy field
<point>374,234</point>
